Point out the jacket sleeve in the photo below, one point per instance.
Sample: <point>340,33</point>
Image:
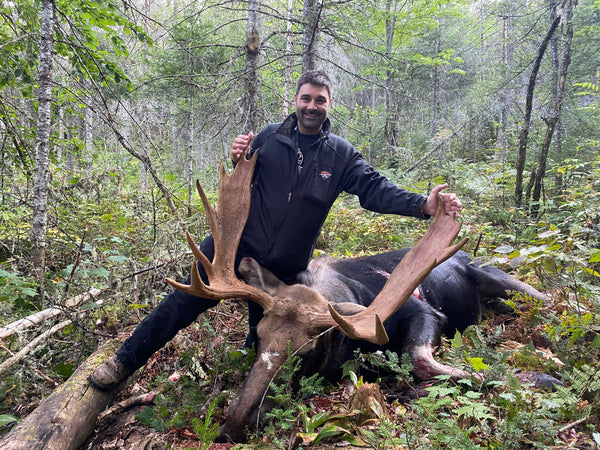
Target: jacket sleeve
<point>377,193</point>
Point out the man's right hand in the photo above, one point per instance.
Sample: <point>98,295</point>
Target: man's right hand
<point>240,145</point>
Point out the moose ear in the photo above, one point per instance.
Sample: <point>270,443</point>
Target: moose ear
<point>256,275</point>
<point>348,308</point>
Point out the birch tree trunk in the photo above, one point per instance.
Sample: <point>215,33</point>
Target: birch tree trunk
<point>391,115</point>
<point>435,121</point>
<point>88,123</point>
<point>189,163</point>
<point>143,168</point>
<point>507,61</point>
<point>42,145</point>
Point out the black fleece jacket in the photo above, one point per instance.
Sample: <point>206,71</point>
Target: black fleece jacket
<point>288,208</point>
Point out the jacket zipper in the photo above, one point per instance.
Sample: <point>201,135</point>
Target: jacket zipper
<point>289,201</point>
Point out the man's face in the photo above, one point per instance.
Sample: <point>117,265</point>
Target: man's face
<point>312,105</point>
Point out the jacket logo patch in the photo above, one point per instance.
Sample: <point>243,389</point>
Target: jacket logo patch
<point>325,175</point>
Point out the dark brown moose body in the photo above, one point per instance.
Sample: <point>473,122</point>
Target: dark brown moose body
<point>340,305</point>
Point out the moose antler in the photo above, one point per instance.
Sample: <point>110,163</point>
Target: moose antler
<point>431,250</point>
<point>226,226</point>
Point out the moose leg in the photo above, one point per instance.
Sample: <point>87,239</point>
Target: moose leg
<point>255,313</point>
<point>422,331</point>
<point>175,312</point>
<point>246,411</point>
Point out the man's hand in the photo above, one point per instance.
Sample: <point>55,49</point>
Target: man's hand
<point>240,145</point>
<point>451,202</point>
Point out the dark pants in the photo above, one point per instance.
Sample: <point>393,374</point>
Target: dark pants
<point>176,311</point>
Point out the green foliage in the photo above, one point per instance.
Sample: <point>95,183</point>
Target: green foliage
<point>6,419</point>
<point>92,60</point>
<point>320,426</point>
<point>17,289</point>
<point>350,231</point>
<point>64,369</point>
<point>445,400</point>
<point>388,368</point>
<point>498,413</point>
<point>176,407</point>
<point>206,429</point>
<point>286,391</point>
<point>149,418</point>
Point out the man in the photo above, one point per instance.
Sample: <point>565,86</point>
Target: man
<point>300,171</point>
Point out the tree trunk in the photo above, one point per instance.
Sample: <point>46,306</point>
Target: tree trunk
<point>554,115</point>
<point>312,12</point>
<point>250,104</point>
<point>67,417</point>
<point>189,163</point>
<point>289,46</point>
<point>144,169</point>
<point>435,121</point>
<point>391,115</point>
<point>174,135</point>
<point>507,59</point>
<point>42,145</point>
<point>522,145</point>
<point>88,136</point>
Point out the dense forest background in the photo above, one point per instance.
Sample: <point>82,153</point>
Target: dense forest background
<point>109,112</point>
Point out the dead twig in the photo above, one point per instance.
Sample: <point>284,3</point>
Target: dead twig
<point>32,345</point>
<point>572,424</point>
<point>35,369</point>
<point>216,390</point>
<point>142,399</point>
<point>77,259</point>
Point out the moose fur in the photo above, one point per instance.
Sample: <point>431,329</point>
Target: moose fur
<point>450,298</point>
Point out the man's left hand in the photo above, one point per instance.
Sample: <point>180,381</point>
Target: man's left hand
<point>451,202</point>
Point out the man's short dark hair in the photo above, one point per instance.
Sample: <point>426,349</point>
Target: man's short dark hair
<point>316,77</point>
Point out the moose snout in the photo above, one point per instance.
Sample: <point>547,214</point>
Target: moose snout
<point>247,266</point>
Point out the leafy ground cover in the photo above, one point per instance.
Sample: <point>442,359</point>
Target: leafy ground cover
<point>397,412</point>
<point>557,253</point>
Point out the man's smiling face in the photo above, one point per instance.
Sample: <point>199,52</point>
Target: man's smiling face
<point>312,105</point>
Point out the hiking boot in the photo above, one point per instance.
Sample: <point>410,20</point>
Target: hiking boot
<point>109,374</point>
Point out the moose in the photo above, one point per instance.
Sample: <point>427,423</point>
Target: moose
<point>402,300</point>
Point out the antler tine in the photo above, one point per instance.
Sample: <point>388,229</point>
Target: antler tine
<point>211,214</point>
<point>227,224</point>
<point>432,249</point>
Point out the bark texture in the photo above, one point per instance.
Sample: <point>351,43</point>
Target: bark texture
<point>312,13</point>
<point>67,417</point>
<point>251,83</point>
<point>524,133</point>
<point>554,116</point>
<point>42,144</point>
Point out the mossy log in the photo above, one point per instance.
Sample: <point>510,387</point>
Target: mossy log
<point>67,417</point>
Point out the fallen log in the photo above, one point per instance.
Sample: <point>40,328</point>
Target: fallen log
<point>40,316</point>
<point>65,419</point>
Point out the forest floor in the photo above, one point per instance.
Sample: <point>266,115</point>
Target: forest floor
<point>126,428</point>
